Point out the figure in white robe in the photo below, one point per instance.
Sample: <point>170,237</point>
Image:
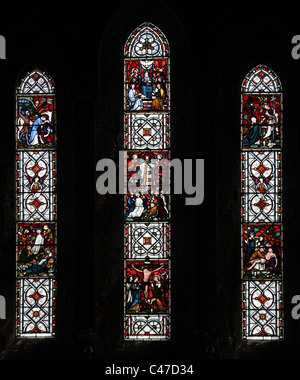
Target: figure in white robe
<point>148,173</point>
<point>39,242</point>
<point>271,118</point>
<point>138,209</point>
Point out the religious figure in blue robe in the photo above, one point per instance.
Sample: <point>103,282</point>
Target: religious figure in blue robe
<point>254,134</point>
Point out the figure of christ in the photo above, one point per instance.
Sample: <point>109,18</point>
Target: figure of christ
<point>272,258</point>
<point>258,256</point>
<point>39,241</point>
<point>147,172</point>
<point>146,278</point>
<point>24,124</point>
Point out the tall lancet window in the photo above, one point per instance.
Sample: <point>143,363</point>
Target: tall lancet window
<point>147,202</point>
<point>261,206</point>
<point>35,205</point>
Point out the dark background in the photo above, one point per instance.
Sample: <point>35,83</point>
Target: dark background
<point>212,49</point>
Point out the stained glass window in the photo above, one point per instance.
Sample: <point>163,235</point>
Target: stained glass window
<point>147,246</point>
<point>36,208</point>
<point>261,205</point>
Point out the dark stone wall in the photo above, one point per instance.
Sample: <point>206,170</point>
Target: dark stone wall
<point>212,49</point>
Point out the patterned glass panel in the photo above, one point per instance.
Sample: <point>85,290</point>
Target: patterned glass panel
<point>261,186</point>
<point>36,178</point>
<point>147,327</point>
<point>147,131</point>
<point>147,246</point>
<point>261,205</point>
<point>150,240</point>
<point>262,310</point>
<point>35,307</point>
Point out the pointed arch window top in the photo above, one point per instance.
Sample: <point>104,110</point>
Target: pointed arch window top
<point>146,40</point>
<point>36,82</point>
<point>262,80</point>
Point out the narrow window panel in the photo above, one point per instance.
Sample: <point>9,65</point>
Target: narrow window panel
<point>147,201</point>
<point>261,205</point>
<point>36,206</point>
